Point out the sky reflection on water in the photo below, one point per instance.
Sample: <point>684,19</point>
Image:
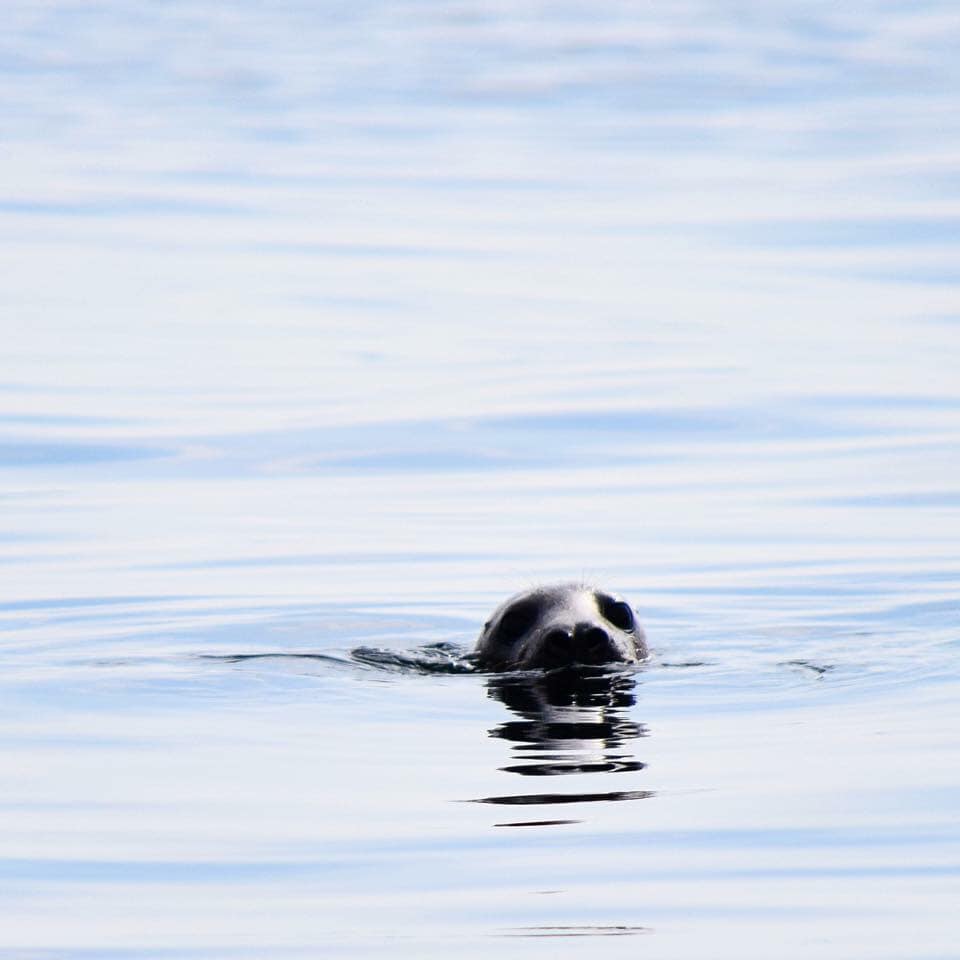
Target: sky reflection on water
<point>329,327</point>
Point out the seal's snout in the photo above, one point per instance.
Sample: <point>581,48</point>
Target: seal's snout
<point>585,643</point>
<point>592,644</point>
<point>561,626</point>
<point>557,646</point>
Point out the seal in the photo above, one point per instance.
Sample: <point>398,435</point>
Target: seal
<point>561,625</point>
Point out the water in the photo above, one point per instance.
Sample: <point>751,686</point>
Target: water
<point>327,327</point>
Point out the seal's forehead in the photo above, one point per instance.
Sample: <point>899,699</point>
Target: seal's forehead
<point>559,595</point>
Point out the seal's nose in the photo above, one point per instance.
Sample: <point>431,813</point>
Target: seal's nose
<point>584,643</point>
<point>557,647</point>
<point>592,644</point>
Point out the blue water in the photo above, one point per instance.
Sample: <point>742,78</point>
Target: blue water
<point>327,327</point>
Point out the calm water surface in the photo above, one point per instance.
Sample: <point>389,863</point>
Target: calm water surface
<point>327,327</point>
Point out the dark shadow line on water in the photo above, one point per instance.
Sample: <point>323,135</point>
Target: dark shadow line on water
<point>538,823</point>
<point>244,657</point>
<point>529,799</point>
<point>614,930</point>
<point>818,669</point>
<point>564,767</point>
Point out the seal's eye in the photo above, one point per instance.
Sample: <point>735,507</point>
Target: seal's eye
<point>517,621</point>
<point>617,612</point>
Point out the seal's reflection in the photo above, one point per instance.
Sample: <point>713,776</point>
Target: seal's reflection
<point>567,722</point>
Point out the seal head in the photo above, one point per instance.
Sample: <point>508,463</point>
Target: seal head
<point>560,626</point>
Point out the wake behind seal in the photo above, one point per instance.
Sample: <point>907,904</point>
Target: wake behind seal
<point>560,626</point>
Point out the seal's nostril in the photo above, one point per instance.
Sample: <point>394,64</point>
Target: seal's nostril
<point>590,635</point>
<point>558,639</point>
<point>592,643</point>
<point>556,647</point>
